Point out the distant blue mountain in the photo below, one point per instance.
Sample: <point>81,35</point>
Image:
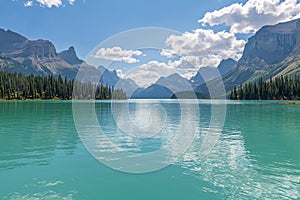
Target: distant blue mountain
<point>206,74</point>
<point>164,87</point>
<point>154,91</point>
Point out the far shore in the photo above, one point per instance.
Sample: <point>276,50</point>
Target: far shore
<point>281,101</point>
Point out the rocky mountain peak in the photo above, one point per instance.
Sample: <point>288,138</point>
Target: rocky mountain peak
<point>9,40</point>
<point>271,44</point>
<point>70,56</point>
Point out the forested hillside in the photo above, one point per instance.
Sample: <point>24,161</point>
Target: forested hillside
<point>280,88</point>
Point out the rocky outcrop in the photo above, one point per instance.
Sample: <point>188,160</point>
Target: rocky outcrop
<point>39,49</point>
<point>70,56</point>
<point>270,45</point>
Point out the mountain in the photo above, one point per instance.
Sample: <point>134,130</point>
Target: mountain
<point>128,86</point>
<point>10,41</point>
<point>164,87</point>
<point>154,91</point>
<point>109,77</point>
<point>39,57</point>
<point>206,74</point>
<point>174,82</point>
<point>273,51</point>
<point>182,87</point>
<point>226,65</point>
<point>70,56</point>
<point>8,64</point>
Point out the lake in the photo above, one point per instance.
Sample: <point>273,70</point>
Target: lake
<point>235,150</point>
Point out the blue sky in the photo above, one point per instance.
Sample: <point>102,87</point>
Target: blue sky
<point>210,30</point>
<point>86,23</point>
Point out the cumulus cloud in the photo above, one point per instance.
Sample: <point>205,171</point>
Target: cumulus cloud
<point>251,16</point>
<point>204,47</point>
<point>149,73</point>
<point>118,54</point>
<point>185,66</point>
<point>207,47</point>
<point>48,3</point>
<point>28,3</point>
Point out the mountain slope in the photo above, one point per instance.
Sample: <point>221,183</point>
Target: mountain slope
<point>203,75</point>
<point>154,91</point>
<point>273,51</point>
<point>164,87</point>
<point>268,53</point>
<point>38,57</point>
<point>10,41</point>
<point>226,65</point>
<point>174,82</point>
<point>10,65</point>
<point>206,74</point>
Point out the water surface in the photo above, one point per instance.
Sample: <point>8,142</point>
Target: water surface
<point>256,155</point>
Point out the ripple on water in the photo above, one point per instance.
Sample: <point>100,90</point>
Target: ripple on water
<point>234,175</point>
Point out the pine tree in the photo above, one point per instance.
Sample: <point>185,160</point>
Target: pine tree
<point>18,86</point>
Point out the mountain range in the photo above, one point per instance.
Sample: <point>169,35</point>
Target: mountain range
<point>166,87</point>
<point>39,57</point>
<point>273,51</point>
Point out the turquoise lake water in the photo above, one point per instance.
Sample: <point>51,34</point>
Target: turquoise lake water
<point>255,154</point>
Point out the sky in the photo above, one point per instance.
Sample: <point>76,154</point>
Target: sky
<point>210,30</point>
<point>88,22</point>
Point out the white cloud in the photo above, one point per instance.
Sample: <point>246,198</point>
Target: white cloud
<point>169,53</point>
<point>251,16</point>
<point>184,62</point>
<point>204,47</point>
<point>50,3</point>
<point>149,73</point>
<point>207,47</point>
<point>28,3</point>
<point>186,66</point>
<point>118,54</point>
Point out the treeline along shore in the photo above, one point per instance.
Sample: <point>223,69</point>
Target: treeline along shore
<point>16,86</point>
<point>279,88</point>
